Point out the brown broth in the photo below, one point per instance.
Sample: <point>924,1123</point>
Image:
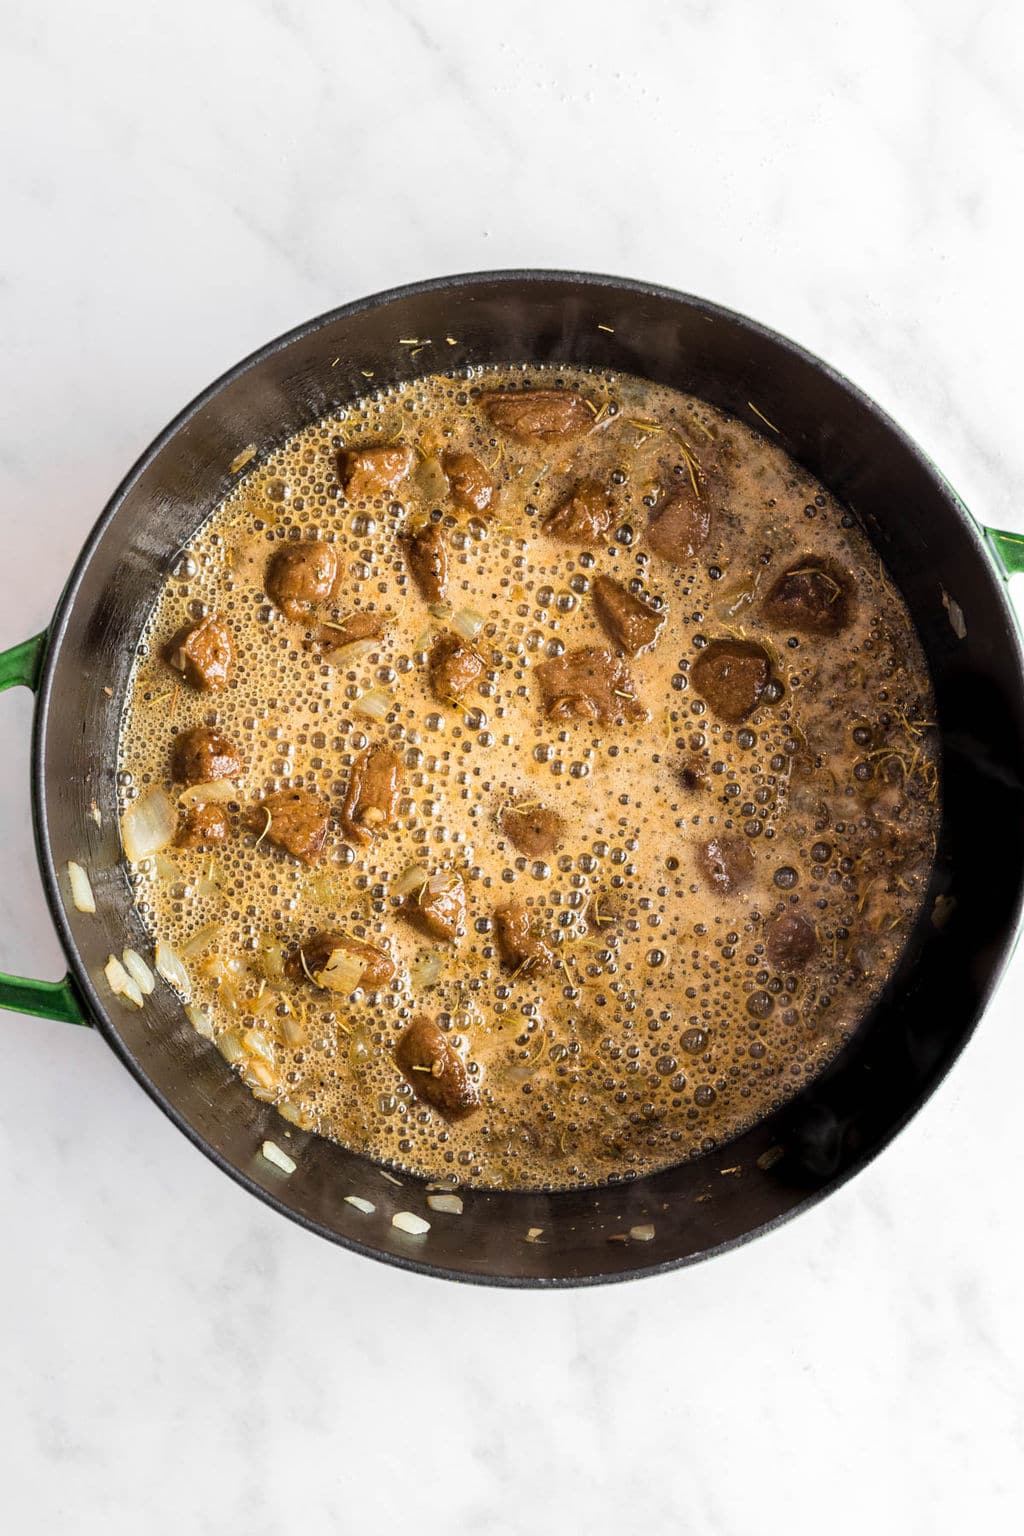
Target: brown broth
<point>667,1031</point>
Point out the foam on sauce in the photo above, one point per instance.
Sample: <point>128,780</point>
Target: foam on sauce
<point>665,1031</point>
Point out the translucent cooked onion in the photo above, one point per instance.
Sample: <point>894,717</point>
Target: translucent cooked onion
<point>138,970</point>
<point>451,1205</point>
<point>354,651</point>
<point>424,972</point>
<point>366,1206</point>
<point>121,984</point>
<point>81,890</point>
<point>408,1221</point>
<point>148,825</point>
<point>376,704</point>
<point>273,1154</point>
<point>256,1043</point>
<point>171,967</point>
<point>166,868</point>
<point>268,960</point>
<point>202,1023</point>
<point>229,1046</point>
<point>412,879</point>
<point>295,1114</point>
<point>342,973</point>
<point>467,623</point>
<point>642,1233</point>
<point>200,940</point>
<point>218,792</point>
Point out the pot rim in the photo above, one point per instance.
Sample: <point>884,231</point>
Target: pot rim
<point>58,626</point>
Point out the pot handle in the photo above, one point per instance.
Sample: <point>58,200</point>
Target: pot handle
<point>1008,549</point>
<point>21,666</point>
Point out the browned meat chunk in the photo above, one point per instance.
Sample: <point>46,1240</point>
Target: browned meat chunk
<point>790,941</point>
<point>427,1059</point>
<point>201,756</point>
<point>732,675</point>
<point>533,829</point>
<point>518,946</point>
<point>544,415</point>
<point>439,909</point>
<point>589,684</point>
<point>301,576</point>
<point>814,597</point>
<point>631,623</point>
<point>295,820</point>
<point>374,471</point>
<point>454,668</point>
<point>469,485</point>
<point>371,801</point>
<point>681,527</point>
<point>360,625</point>
<point>203,827</point>
<point>427,554</point>
<point>339,963</point>
<point>726,863</point>
<point>202,653</point>
<point>583,516</point>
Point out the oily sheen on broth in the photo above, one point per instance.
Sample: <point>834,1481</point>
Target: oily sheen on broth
<point>742,821</point>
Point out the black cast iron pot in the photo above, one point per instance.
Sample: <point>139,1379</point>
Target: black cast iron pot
<point>951,572</point>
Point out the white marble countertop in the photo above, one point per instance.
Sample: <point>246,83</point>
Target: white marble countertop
<point>183,183</point>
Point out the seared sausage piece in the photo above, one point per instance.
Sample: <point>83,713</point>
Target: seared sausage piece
<point>589,684</point>
<point>469,485</point>
<point>813,597</point>
<point>541,415</point>
<point>301,576</point>
<point>202,653</point>
<point>454,668</point>
<point>790,941</point>
<point>439,910</point>
<point>374,471</point>
<point>371,800</point>
<point>533,829</point>
<point>732,675</point>
<point>681,526</point>
<point>427,1059</point>
<point>518,946</point>
<point>630,622</point>
<point>202,755</point>
<point>361,625</point>
<point>726,863</point>
<point>427,554</point>
<point>583,516</point>
<point>295,820</point>
<point>204,826</point>
<point>319,958</point>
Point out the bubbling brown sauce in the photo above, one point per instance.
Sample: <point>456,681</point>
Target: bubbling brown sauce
<point>732,884</point>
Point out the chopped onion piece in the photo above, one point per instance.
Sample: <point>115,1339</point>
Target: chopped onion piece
<point>375,705</point>
<point>81,890</point>
<point>342,973</point>
<point>121,984</point>
<point>201,940</point>
<point>202,1023</point>
<point>450,1204</point>
<point>355,650</point>
<point>366,1206</point>
<point>295,1114</point>
<point>166,868</point>
<point>229,1046</point>
<point>533,1235</point>
<point>218,792</point>
<point>148,825</point>
<point>422,642</point>
<point>171,967</point>
<point>412,879</point>
<point>273,1154</point>
<point>257,1044</point>
<point>408,1221</point>
<point>441,611</point>
<point>424,972</point>
<point>138,970</point>
<point>467,623</point>
<point>642,1234</point>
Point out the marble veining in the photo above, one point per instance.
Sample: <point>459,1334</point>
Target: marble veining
<point>184,183</point>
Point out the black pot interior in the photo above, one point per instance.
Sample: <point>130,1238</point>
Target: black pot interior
<point>930,547</point>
